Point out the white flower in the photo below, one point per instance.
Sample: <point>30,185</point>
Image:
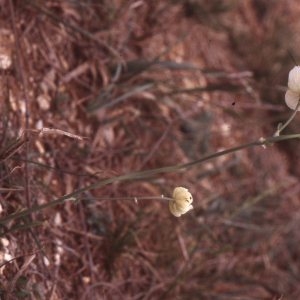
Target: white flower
<point>294,79</point>
<point>181,202</point>
<point>292,95</point>
<point>292,99</point>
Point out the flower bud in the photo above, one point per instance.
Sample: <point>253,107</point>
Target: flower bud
<point>181,202</point>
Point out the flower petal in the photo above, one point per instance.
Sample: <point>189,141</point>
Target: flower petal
<point>173,209</point>
<point>294,79</point>
<point>292,99</point>
<point>181,194</point>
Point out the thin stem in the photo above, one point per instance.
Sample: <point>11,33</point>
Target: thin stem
<point>162,197</point>
<point>144,174</point>
<point>20,69</point>
<point>277,133</point>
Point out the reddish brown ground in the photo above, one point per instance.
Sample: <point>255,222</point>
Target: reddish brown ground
<point>147,85</point>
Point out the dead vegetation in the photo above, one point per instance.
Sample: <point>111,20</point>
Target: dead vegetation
<point>92,90</point>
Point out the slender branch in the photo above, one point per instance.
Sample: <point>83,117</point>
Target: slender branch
<point>145,174</point>
<point>135,198</point>
<point>288,121</point>
<point>20,68</point>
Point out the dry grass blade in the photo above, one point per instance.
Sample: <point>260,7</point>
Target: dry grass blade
<point>10,149</point>
<point>133,92</point>
<point>22,74</point>
<point>25,265</point>
<point>210,88</point>
<point>54,131</point>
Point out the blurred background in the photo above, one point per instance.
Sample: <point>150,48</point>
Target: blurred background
<point>148,84</point>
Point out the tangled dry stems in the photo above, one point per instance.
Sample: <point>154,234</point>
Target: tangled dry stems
<point>118,75</point>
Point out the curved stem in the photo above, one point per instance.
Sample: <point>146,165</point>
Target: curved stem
<point>277,133</point>
<point>135,198</point>
<point>144,174</point>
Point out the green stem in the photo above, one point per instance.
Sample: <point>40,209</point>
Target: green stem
<point>144,174</point>
<point>277,133</point>
<point>162,198</point>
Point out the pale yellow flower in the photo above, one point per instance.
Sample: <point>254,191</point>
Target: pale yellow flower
<point>181,202</point>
